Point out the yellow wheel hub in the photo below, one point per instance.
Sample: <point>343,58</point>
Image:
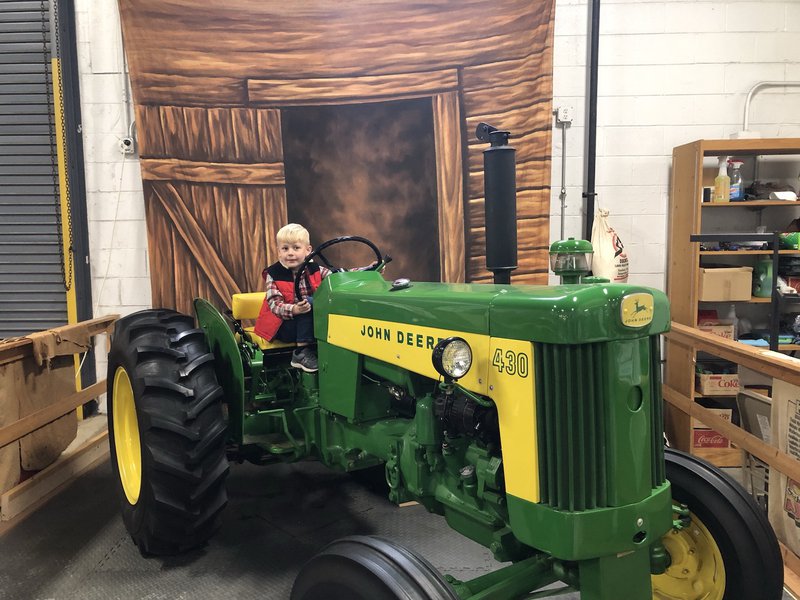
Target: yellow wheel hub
<point>697,571</point>
<point>126,436</point>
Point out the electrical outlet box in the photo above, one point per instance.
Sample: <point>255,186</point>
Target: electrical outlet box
<point>565,114</point>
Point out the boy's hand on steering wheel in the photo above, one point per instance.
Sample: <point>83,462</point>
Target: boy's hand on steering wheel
<point>372,267</point>
<point>301,307</point>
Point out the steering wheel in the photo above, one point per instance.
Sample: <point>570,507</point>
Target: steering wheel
<point>317,252</point>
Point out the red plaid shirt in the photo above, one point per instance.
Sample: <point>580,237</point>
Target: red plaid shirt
<point>277,303</point>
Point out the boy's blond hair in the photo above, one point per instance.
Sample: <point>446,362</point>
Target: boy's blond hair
<point>292,233</point>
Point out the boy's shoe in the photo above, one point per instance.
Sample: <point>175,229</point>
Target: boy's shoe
<point>306,359</point>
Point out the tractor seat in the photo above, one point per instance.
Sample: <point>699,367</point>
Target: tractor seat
<point>247,306</point>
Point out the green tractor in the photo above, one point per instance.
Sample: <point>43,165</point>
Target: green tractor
<point>529,417</point>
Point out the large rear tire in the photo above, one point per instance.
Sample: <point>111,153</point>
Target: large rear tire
<point>729,550</point>
<point>166,431</point>
<point>369,568</point>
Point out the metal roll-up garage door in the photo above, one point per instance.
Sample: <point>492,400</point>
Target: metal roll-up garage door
<point>32,290</point>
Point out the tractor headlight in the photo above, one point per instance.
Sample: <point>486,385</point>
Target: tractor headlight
<point>452,357</point>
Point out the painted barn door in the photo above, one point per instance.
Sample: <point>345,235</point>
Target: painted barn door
<point>214,198</point>
<point>440,89</point>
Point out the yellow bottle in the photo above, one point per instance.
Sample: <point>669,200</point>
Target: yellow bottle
<point>722,183</point>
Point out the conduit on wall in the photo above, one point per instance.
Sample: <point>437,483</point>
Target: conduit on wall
<point>590,150</point>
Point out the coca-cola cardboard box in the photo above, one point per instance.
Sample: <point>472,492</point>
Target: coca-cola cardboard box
<point>720,329</point>
<point>717,384</point>
<point>708,320</point>
<point>784,493</point>
<point>703,437</point>
<point>708,438</point>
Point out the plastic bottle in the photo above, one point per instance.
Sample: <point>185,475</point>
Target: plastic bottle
<point>762,278</point>
<point>737,187</point>
<point>734,320</point>
<point>722,183</point>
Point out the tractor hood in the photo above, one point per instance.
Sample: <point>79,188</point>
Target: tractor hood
<point>564,314</point>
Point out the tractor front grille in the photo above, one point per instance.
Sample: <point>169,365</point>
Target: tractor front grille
<point>572,420</point>
<point>571,425</point>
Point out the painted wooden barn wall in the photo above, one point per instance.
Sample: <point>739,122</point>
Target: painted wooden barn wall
<point>209,80</point>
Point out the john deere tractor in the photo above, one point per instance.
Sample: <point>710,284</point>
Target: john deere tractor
<point>529,417</point>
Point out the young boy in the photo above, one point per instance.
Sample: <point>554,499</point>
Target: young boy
<point>282,316</point>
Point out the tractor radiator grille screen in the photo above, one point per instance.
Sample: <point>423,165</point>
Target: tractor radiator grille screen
<point>572,421</point>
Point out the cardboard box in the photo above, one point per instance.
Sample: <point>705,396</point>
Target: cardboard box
<point>723,413</point>
<point>793,282</point>
<point>714,384</point>
<point>723,331</point>
<point>784,492</point>
<point>708,438</point>
<point>703,437</point>
<point>725,284</point>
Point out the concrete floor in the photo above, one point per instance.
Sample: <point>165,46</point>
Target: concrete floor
<point>76,548</point>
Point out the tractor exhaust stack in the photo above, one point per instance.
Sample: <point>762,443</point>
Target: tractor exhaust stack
<point>500,202</point>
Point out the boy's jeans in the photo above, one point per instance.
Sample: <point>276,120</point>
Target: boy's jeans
<point>300,329</point>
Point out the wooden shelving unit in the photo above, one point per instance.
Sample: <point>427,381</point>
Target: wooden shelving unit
<point>745,252</point>
<point>752,204</point>
<point>686,214</point>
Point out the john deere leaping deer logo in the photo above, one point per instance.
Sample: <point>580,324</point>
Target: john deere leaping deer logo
<point>636,310</point>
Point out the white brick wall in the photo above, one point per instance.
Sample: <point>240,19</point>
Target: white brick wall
<point>671,71</point>
<point>115,205</point>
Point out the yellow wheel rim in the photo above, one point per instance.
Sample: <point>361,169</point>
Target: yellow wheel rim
<point>697,571</point>
<point>126,436</point>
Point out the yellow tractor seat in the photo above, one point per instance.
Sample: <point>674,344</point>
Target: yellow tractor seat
<point>265,345</point>
<point>247,306</point>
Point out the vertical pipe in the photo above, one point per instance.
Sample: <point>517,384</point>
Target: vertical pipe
<point>500,202</point>
<point>563,195</point>
<point>590,154</point>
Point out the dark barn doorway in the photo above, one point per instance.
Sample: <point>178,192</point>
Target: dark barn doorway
<point>370,170</point>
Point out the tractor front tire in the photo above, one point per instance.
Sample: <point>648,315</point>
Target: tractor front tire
<point>166,431</point>
<point>363,567</point>
<point>729,550</point>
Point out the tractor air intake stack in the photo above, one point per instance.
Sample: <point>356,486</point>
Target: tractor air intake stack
<point>500,202</point>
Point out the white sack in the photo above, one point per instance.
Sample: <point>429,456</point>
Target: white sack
<point>610,259</point>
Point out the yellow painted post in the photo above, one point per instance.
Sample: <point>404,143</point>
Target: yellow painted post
<point>66,233</point>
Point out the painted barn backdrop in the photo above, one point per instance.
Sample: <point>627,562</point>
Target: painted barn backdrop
<point>352,117</point>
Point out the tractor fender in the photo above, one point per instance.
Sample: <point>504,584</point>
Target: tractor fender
<point>227,362</point>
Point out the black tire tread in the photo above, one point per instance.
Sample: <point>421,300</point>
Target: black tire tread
<point>197,406</point>
<point>181,427</point>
